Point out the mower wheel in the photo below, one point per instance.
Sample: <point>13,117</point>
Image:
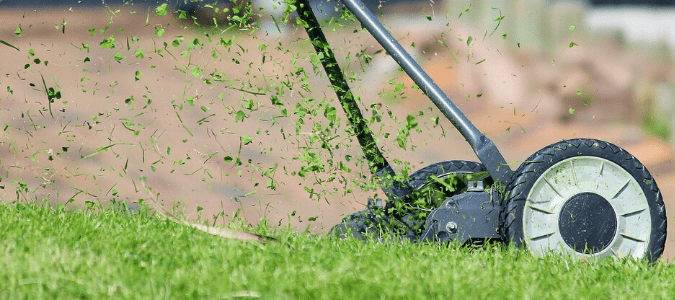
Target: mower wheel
<point>584,197</point>
<point>371,221</point>
<point>443,169</point>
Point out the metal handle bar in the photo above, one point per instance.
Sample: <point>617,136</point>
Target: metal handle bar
<point>484,148</point>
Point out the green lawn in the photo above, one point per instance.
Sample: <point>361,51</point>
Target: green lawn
<point>55,253</point>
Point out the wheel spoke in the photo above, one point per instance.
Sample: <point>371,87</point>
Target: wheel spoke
<point>553,187</point>
<point>623,187</point>
<point>541,236</point>
<point>637,239</point>
<point>633,226</point>
<point>617,254</point>
<point>632,213</point>
<point>597,181</point>
<point>574,173</point>
<point>629,201</point>
<point>540,209</point>
<point>541,221</point>
<point>626,246</point>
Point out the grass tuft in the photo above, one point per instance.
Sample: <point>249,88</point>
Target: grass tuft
<point>53,253</point>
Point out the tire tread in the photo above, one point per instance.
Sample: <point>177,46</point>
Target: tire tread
<point>514,201</point>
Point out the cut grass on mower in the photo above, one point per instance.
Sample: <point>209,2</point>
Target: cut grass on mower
<point>57,253</point>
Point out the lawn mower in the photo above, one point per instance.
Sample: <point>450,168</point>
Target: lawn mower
<point>578,197</point>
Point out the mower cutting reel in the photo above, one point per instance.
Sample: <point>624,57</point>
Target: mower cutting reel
<point>580,197</point>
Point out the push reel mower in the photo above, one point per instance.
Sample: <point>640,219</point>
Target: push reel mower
<point>581,197</point>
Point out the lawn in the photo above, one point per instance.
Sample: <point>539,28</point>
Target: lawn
<point>59,253</point>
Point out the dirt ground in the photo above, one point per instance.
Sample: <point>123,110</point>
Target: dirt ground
<point>103,140</point>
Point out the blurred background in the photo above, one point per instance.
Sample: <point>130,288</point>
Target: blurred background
<point>101,99</point>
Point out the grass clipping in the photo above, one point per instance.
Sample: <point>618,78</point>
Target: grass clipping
<point>237,235</point>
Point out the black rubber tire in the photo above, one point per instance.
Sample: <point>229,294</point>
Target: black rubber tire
<point>368,221</point>
<point>441,169</point>
<point>529,171</point>
<point>360,224</point>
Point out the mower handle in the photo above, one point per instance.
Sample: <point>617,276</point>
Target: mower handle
<point>484,148</point>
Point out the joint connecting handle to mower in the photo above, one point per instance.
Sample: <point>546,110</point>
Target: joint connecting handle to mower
<point>484,148</point>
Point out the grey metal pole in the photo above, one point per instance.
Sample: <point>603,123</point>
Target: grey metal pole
<point>485,149</point>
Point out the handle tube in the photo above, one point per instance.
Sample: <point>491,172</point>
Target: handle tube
<point>485,149</point>
<point>418,75</point>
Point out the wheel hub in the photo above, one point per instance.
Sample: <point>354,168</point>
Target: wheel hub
<point>587,205</point>
<point>587,223</point>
